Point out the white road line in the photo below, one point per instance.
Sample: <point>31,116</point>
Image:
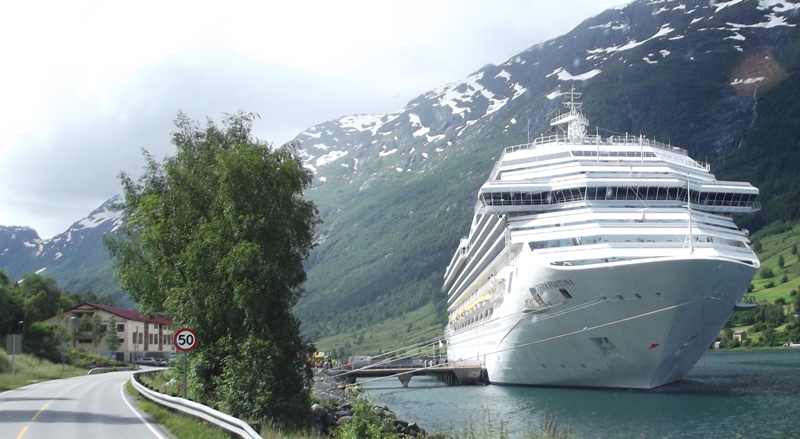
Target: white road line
<point>136,412</point>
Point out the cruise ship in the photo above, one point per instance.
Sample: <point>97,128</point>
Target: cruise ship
<point>596,262</point>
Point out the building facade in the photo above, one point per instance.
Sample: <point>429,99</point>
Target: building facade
<point>138,335</point>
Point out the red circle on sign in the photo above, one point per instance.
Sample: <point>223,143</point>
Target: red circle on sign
<point>184,339</point>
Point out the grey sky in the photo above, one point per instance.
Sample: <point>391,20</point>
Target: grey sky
<point>86,85</point>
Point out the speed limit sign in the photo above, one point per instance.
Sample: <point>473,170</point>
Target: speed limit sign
<point>184,339</point>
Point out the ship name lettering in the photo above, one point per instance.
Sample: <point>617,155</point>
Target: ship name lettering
<point>560,283</point>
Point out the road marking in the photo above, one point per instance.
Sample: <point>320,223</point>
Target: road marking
<point>22,433</point>
<point>48,402</point>
<point>136,412</point>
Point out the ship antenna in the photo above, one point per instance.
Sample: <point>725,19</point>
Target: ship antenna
<point>528,116</point>
<point>576,121</point>
<point>689,211</point>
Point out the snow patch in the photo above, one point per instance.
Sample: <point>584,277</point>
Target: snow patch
<point>564,75</point>
<point>432,139</point>
<point>778,5</point>
<point>362,122</point>
<point>748,80</point>
<point>503,74</point>
<point>40,270</point>
<point>421,132</point>
<point>664,30</point>
<point>330,157</point>
<point>385,153</point>
<point>722,5</point>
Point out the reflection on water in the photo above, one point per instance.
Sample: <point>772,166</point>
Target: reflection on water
<point>728,394</point>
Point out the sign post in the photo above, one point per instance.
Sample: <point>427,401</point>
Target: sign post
<point>14,347</point>
<point>185,340</point>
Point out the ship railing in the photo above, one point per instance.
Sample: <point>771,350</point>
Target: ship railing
<point>625,140</point>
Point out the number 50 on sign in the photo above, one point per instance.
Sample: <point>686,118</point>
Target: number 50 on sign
<point>184,340</point>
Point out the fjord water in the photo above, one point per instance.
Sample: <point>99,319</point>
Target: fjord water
<point>740,394</point>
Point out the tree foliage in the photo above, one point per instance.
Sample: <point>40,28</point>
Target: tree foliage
<point>216,236</point>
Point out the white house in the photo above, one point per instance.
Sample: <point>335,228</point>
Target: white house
<point>139,335</point>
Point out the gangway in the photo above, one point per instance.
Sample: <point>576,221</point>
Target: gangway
<point>404,367</point>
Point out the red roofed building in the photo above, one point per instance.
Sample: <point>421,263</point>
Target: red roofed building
<point>139,335</point>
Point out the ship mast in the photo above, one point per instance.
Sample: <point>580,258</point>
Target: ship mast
<point>575,120</point>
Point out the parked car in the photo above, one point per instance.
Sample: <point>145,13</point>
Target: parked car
<point>147,361</point>
<point>162,361</point>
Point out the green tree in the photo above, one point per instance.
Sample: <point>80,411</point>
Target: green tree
<point>111,338</point>
<point>11,306</point>
<point>216,236</point>
<point>41,295</point>
<point>781,261</point>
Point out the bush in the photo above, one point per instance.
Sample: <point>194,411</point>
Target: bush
<point>767,273</point>
<point>784,278</point>
<point>780,301</point>
<point>770,284</point>
<point>793,293</point>
<point>366,424</point>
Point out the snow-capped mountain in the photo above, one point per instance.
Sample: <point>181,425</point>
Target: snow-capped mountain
<point>76,258</point>
<point>643,33</point>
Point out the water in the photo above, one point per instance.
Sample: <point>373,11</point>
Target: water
<point>747,394</point>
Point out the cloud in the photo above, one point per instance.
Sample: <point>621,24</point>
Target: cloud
<point>94,82</point>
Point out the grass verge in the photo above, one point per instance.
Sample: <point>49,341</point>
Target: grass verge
<point>30,369</point>
<point>180,426</point>
<point>184,425</point>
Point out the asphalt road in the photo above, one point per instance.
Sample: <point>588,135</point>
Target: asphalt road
<point>85,407</point>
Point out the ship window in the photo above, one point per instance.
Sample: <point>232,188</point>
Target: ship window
<point>727,198</point>
<point>672,193</point>
<point>565,293</point>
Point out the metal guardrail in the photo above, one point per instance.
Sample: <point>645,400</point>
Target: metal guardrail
<point>96,370</point>
<point>197,410</point>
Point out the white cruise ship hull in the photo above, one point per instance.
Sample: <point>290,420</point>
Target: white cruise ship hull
<point>637,324</point>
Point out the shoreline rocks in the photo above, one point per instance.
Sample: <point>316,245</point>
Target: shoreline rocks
<point>340,411</point>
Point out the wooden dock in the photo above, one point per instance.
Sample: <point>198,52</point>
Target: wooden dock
<point>446,374</point>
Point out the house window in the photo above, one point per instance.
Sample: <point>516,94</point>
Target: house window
<point>121,327</point>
